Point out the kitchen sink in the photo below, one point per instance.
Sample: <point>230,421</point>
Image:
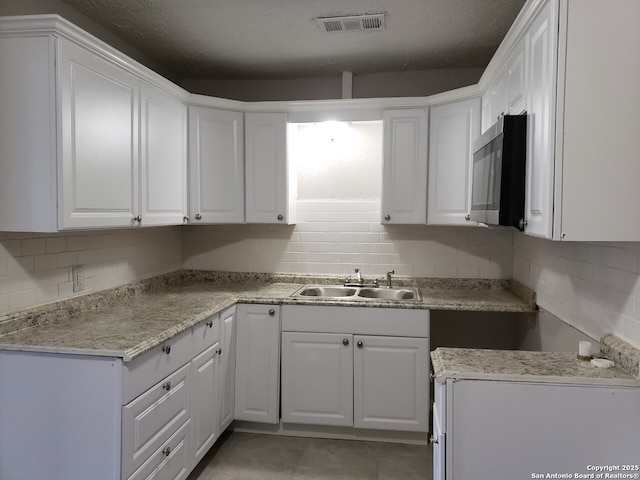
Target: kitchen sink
<point>389,293</point>
<point>358,293</point>
<point>325,291</point>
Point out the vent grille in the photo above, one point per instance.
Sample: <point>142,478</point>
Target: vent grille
<point>352,23</point>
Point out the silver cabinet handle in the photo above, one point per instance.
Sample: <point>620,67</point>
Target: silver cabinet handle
<point>210,323</point>
<point>433,440</point>
<point>387,217</point>
<point>467,217</point>
<point>522,223</point>
<point>167,386</point>
<point>345,342</point>
<point>219,351</point>
<point>167,451</point>
<point>360,344</point>
<point>280,217</point>
<point>272,312</point>
<point>138,219</point>
<point>167,349</point>
<point>198,216</point>
<point>185,219</point>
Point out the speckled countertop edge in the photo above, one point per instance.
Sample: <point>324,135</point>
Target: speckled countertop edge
<point>621,353</point>
<point>235,287</point>
<point>524,366</point>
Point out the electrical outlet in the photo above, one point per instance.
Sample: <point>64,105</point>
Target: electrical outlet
<point>77,273</point>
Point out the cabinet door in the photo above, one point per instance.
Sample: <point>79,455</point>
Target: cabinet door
<point>404,177</point>
<point>227,367</point>
<point>270,183</point>
<point>494,101</point>
<point>98,172</point>
<point>216,165</point>
<point>452,129</point>
<point>383,367</point>
<point>258,363</point>
<point>541,41</point>
<point>317,378</point>
<point>205,401</point>
<point>516,80</point>
<point>163,163</point>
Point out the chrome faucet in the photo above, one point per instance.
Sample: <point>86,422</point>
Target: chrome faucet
<point>389,278</point>
<point>360,281</point>
<point>359,278</point>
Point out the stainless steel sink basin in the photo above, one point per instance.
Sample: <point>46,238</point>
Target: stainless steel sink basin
<point>325,291</point>
<point>358,293</point>
<point>388,293</point>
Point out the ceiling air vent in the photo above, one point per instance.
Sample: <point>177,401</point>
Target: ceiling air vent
<point>352,23</point>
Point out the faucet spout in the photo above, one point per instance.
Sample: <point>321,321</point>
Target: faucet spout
<point>392,272</point>
<point>359,278</point>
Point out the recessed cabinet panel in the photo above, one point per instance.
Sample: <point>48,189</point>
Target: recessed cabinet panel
<point>216,160</point>
<point>452,129</point>
<point>540,124</point>
<point>257,397</point>
<point>404,184</point>
<point>516,81</point>
<point>270,179</point>
<point>205,411</point>
<point>98,102</point>
<point>317,378</point>
<point>391,383</point>
<point>163,165</point>
<point>227,367</point>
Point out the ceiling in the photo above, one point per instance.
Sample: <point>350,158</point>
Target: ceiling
<point>260,39</point>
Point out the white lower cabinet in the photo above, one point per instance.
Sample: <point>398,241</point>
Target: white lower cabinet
<point>149,421</point>
<point>356,373</point>
<point>205,411</point>
<point>391,383</point>
<point>257,387</point>
<point>227,379</point>
<point>317,378</point>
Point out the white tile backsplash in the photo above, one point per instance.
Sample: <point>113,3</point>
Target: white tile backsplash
<point>334,237</point>
<point>35,268</point>
<point>594,287</point>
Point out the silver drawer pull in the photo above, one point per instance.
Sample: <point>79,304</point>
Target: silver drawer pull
<point>167,386</point>
<point>167,349</point>
<point>167,451</point>
<point>210,323</point>
<point>219,351</point>
<point>360,344</point>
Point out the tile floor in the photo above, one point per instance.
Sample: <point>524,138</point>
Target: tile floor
<point>247,456</point>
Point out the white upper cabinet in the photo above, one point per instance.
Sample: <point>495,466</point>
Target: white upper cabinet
<point>515,86</point>
<point>579,91</point>
<point>99,140</point>
<point>163,162</point>
<point>216,165</point>
<point>270,178</point>
<point>452,129</point>
<point>85,142</point>
<point>494,101</point>
<point>404,180</point>
<point>542,45</point>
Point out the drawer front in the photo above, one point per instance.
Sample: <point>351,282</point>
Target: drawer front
<point>171,461</point>
<point>149,368</point>
<point>206,334</point>
<point>152,418</point>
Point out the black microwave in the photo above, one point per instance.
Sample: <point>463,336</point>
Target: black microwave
<point>499,168</point>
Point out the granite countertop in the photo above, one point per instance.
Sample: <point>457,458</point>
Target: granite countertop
<point>522,366</point>
<point>127,321</point>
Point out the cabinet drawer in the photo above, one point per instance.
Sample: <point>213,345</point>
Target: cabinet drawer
<point>152,366</point>
<point>171,461</point>
<point>152,418</point>
<point>206,333</point>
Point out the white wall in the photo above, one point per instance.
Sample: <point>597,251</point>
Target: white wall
<point>390,84</point>
<point>594,287</point>
<point>36,268</point>
<point>334,237</point>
